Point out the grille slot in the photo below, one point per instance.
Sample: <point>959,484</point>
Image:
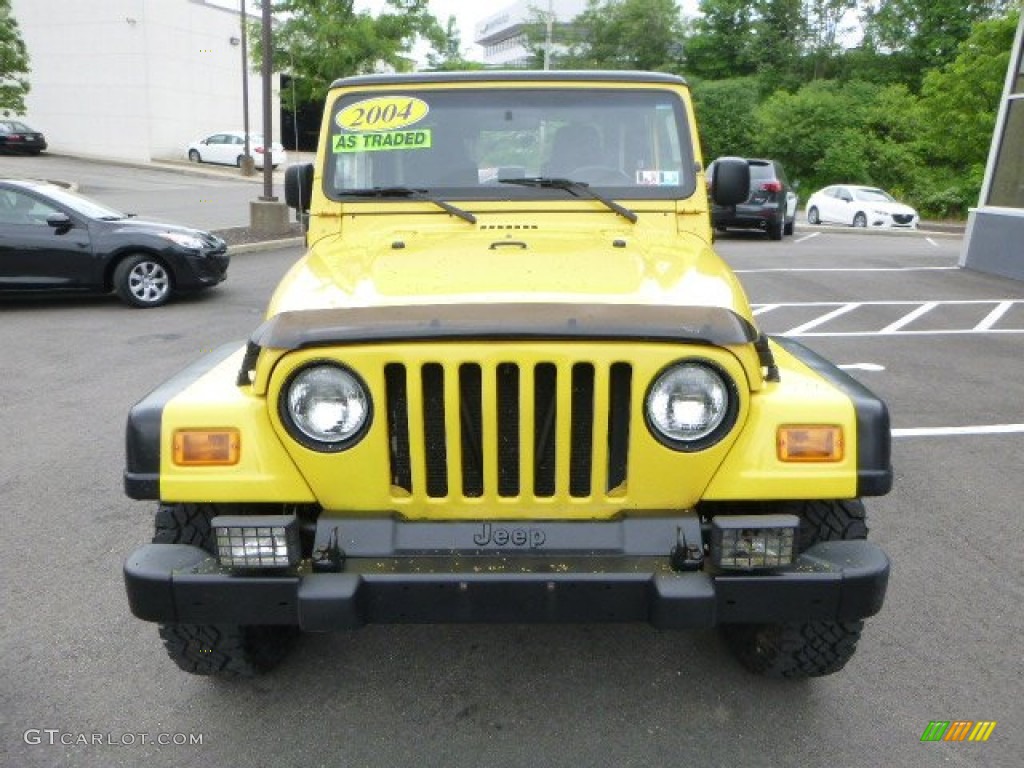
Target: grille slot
<point>508,429</point>
<point>435,448</point>
<point>550,429</point>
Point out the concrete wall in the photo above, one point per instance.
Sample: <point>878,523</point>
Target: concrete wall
<point>135,79</point>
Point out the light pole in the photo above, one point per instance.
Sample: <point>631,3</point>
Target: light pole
<point>268,122</point>
<point>247,161</point>
<point>267,215</point>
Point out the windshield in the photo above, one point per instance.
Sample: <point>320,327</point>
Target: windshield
<point>82,205</point>
<point>873,196</point>
<point>464,143</point>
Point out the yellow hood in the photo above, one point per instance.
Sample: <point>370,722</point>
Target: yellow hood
<point>481,266</point>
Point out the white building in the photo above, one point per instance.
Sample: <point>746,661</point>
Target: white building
<point>136,79</point>
<point>502,35</point>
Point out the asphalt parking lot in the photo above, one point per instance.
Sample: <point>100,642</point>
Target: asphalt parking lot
<point>941,345</point>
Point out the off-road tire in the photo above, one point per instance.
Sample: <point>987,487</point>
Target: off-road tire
<point>809,649</point>
<point>775,229</point>
<point>794,651</point>
<point>221,650</point>
<point>225,650</point>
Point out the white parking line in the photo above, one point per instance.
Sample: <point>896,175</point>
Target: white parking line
<point>931,242</point>
<point>993,317</point>
<point>873,367</point>
<point>806,238</point>
<point>910,317</point>
<point>843,269</point>
<point>822,320</point>
<point>991,429</point>
<point>764,308</point>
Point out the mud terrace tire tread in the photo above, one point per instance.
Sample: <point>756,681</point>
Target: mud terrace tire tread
<point>186,524</point>
<point>221,650</point>
<point>794,651</point>
<point>829,521</point>
<point>226,651</point>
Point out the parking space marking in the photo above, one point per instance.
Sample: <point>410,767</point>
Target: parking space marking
<point>993,317</point>
<point>822,320</point>
<point>843,269</point>
<point>806,238</point>
<point>1000,308</point>
<point>873,367</point>
<point>910,317</point>
<point>991,429</point>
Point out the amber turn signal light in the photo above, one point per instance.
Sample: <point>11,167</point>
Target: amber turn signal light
<point>804,442</point>
<point>207,447</point>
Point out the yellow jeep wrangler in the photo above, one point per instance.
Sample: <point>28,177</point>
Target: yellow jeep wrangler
<point>510,381</point>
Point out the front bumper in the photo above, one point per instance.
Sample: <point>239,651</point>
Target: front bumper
<point>178,583</point>
<point>747,216</point>
<point>206,270</point>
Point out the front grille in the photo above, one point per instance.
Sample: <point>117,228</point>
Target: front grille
<point>902,218</point>
<point>547,430</point>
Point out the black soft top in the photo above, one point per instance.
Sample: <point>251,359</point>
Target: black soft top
<point>514,75</point>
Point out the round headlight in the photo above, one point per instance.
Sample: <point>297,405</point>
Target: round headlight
<point>326,407</point>
<point>691,406</point>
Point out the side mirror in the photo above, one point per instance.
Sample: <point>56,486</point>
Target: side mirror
<point>730,181</point>
<point>59,220</point>
<point>298,186</point>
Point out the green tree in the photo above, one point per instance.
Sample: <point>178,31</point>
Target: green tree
<point>621,34</point>
<point>829,132</point>
<point>779,35</point>
<point>14,64</point>
<point>322,40</point>
<point>725,113</point>
<point>924,34</point>
<point>721,44</point>
<point>447,54</point>
<point>960,102</point>
<point>825,25</point>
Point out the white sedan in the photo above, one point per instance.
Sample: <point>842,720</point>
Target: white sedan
<point>859,207</point>
<point>228,148</point>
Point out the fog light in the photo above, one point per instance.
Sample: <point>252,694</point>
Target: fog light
<point>746,542</point>
<point>256,541</point>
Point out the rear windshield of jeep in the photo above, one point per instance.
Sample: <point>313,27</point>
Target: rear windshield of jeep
<point>475,144</point>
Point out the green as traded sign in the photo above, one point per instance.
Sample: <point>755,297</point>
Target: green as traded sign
<point>377,142</point>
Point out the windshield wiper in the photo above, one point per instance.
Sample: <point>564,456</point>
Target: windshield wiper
<point>574,187</point>
<point>416,194</point>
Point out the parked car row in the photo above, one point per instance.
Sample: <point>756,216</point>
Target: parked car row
<point>52,240</point>
<point>17,136</point>
<point>771,207</point>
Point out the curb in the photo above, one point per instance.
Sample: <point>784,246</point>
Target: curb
<point>921,231</point>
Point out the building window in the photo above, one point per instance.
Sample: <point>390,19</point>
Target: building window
<point>1007,190</point>
<point>1007,187</point>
